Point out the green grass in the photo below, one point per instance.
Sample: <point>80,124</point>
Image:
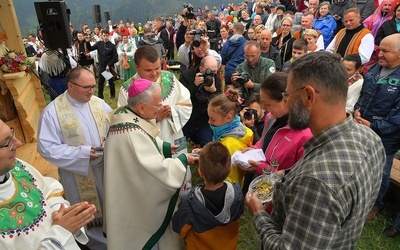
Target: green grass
<point>106,93</point>
<point>371,237</point>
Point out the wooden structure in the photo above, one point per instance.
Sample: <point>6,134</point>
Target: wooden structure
<point>29,101</point>
<point>22,99</point>
<point>395,173</point>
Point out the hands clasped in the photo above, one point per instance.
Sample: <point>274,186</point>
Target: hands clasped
<point>74,217</point>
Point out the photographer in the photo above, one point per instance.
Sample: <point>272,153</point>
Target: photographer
<point>188,20</point>
<point>253,115</point>
<point>203,84</point>
<point>195,48</point>
<point>215,25</point>
<point>82,49</point>
<point>232,52</point>
<point>250,73</point>
<point>29,49</point>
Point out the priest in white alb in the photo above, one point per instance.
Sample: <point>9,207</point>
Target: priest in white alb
<point>33,213</point>
<point>70,136</point>
<point>142,180</point>
<point>177,106</point>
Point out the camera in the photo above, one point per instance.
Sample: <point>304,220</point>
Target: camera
<point>189,13</point>
<point>208,77</point>
<point>242,78</point>
<point>197,33</point>
<point>249,113</point>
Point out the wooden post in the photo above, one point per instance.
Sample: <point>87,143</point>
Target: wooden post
<point>27,97</point>
<point>24,95</point>
<point>9,22</point>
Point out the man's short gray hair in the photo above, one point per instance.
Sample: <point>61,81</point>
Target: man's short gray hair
<point>146,29</point>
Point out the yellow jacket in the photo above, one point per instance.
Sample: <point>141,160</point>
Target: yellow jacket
<point>234,144</point>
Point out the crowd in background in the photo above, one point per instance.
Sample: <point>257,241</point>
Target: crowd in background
<point>238,69</point>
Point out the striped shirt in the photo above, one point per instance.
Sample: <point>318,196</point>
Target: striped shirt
<point>323,201</point>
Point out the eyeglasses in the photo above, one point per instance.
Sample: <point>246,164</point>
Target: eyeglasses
<point>10,143</point>
<point>286,94</point>
<point>87,88</point>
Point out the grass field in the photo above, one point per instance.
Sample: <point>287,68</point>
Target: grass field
<point>371,238</point>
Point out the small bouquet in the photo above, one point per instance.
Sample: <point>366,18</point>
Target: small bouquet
<point>14,61</point>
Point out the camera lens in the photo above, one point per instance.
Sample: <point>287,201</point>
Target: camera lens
<point>208,77</point>
<point>247,115</point>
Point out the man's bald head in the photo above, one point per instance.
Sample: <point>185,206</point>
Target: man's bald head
<point>209,62</point>
<point>389,51</point>
<point>393,39</point>
<point>265,40</point>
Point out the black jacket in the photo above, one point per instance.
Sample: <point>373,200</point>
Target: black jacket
<point>275,56</point>
<point>287,46</point>
<point>107,54</point>
<point>30,50</point>
<point>164,35</point>
<point>388,28</point>
<point>214,25</point>
<point>180,36</point>
<point>198,96</point>
<point>83,60</point>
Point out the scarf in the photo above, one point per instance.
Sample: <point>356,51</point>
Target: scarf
<point>71,129</point>
<point>219,131</point>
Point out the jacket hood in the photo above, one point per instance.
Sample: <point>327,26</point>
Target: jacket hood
<point>242,134</point>
<point>150,39</point>
<point>236,40</point>
<point>230,212</point>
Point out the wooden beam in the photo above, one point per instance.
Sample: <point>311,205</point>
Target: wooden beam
<point>25,89</point>
<point>395,173</point>
<point>9,23</point>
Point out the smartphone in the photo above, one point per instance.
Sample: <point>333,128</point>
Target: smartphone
<point>181,143</point>
<point>99,151</point>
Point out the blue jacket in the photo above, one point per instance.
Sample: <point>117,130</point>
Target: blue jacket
<point>200,228</point>
<point>232,58</point>
<point>327,26</point>
<point>379,103</point>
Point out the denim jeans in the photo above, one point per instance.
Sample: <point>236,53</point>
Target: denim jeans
<point>385,180</point>
<point>396,222</point>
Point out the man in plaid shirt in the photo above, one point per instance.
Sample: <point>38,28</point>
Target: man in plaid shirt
<point>322,202</point>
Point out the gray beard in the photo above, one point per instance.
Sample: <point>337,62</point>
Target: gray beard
<point>298,115</point>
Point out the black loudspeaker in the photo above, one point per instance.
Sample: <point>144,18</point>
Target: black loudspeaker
<point>107,16</point>
<point>53,22</point>
<point>96,14</point>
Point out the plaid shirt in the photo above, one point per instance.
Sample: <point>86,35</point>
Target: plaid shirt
<point>324,199</point>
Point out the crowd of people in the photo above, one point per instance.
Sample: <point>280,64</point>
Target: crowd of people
<point>314,86</point>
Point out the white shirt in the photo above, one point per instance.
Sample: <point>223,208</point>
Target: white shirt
<point>364,50</point>
<point>183,55</point>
